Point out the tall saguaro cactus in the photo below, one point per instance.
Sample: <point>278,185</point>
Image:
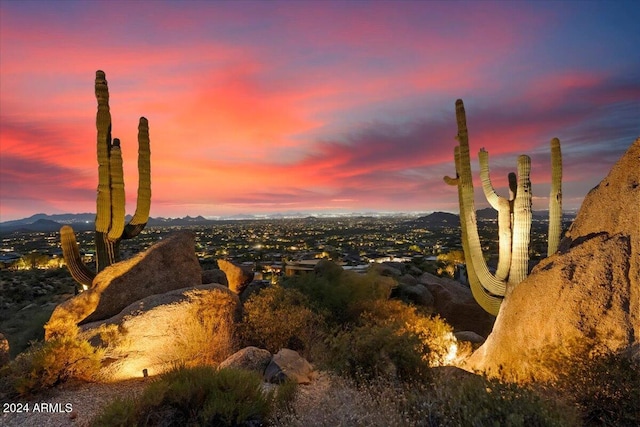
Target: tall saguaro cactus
<point>110,209</point>
<point>514,219</point>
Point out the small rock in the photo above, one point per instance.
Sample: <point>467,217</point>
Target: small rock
<point>250,358</point>
<point>288,364</point>
<point>469,336</point>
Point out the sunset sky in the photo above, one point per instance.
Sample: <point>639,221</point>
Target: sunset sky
<point>258,107</point>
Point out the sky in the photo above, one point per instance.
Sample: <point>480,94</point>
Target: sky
<point>311,107</point>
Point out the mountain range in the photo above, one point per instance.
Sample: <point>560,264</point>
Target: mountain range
<point>85,221</point>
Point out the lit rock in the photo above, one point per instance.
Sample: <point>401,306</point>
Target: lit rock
<point>250,358</point>
<point>192,326</point>
<point>588,292</point>
<point>167,265</point>
<point>289,365</point>
<point>238,276</point>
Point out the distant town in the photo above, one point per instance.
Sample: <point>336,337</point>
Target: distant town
<point>274,246</point>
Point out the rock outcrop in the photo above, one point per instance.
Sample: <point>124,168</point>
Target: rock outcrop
<point>454,302</point>
<point>588,292</point>
<point>192,325</point>
<point>238,276</point>
<point>168,265</point>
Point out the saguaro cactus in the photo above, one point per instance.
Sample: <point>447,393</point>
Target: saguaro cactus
<point>110,214</point>
<point>514,219</point>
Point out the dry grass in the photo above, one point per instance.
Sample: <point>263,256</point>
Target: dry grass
<point>207,333</point>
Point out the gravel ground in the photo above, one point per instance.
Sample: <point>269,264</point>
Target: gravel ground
<point>67,405</point>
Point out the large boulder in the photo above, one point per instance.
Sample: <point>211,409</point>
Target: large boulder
<point>238,276</point>
<point>587,293</point>
<point>167,265</point>
<point>454,302</point>
<point>289,365</point>
<point>418,294</point>
<point>250,358</point>
<point>192,325</point>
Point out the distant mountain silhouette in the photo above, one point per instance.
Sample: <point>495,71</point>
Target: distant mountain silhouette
<point>436,220</point>
<point>86,221</point>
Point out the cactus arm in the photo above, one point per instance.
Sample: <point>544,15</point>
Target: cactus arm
<point>103,126</point>
<point>474,253</point>
<point>117,192</point>
<point>71,253</point>
<point>456,157</point>
<point>489,192</point>
<point>503,207</point>
<point>489,303</point>
<point>555,198</point>
<point>521,223</point>
<point>143,205</point>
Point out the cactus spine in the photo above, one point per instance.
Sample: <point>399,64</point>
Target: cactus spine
<point>514,219</point>
<point>110,203</point>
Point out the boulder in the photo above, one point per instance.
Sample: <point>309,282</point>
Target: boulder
<point>4,350</point>
<point>469,336</point>
<point>385,269</point>
<point>399,266</point>
<point>250,358</point>
<point>408,279</point>
<point>214,275</point>
<point>455,303</point>
<point>238,276</point>
<point>191,325</point>
<point>167,265</point>
<point>289,365</point>
<point>418,294</point>
<point>586,293</point>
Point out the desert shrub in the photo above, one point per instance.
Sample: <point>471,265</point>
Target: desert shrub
<point>371,351</point>
<point>341,293</point>
<point>438,343</point>
<point>603,384</point>
<point>47,364</point>
<point>277,318</point>
<point>467,400</point>
<point>474,400</point>
<point>194,396</point>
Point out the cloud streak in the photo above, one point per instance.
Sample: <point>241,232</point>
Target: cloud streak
<point>257,107</point>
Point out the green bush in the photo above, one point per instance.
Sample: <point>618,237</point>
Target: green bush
<point>278,318</point>
<point>473,400</point>
<point>438,345</point>
<point>194,396</point>
<point>604,385</point>
<point>372,351</point>
<point>47,364</point>
<point>339,293</point>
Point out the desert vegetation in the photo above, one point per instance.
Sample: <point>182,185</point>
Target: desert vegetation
<point>381,362</point>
